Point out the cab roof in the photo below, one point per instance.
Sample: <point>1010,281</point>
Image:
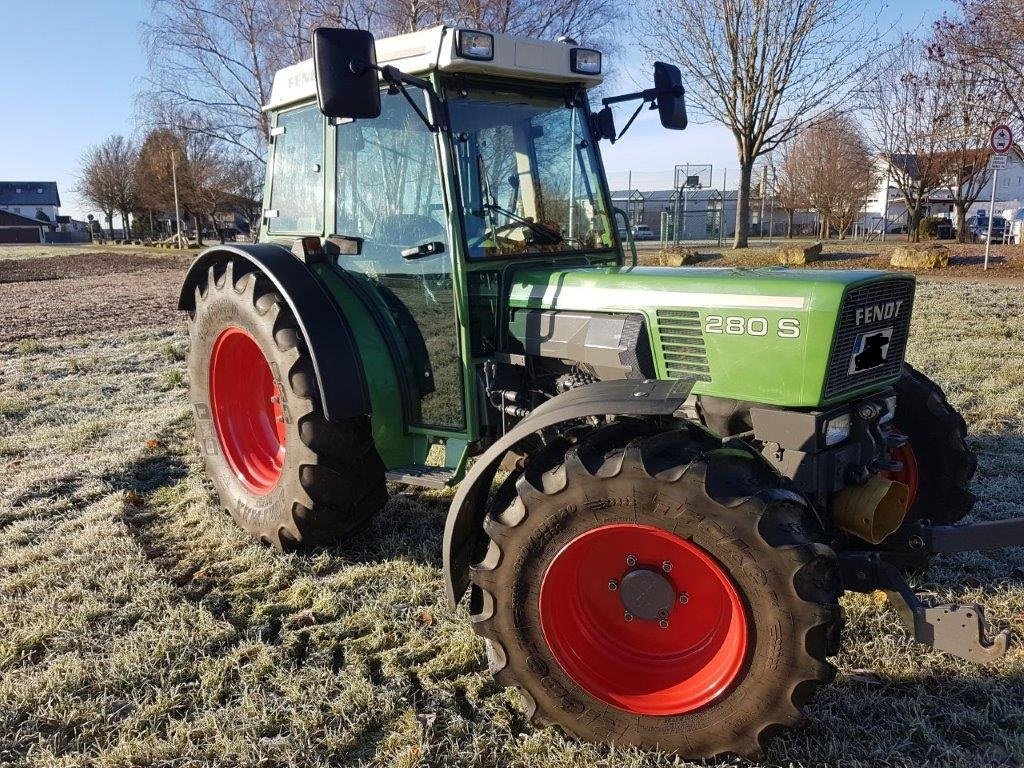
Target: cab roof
<point>434,49</point>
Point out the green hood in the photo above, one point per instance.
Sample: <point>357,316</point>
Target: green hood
<point>776,336</point>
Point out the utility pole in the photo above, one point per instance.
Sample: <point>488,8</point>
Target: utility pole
<point>721,211</point>
<point>771,209</point>
<point>991,211</point>
<point>885,191</point>
<point>177,210</point>
<point>764,183</point>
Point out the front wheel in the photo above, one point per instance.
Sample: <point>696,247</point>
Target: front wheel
<point>937,463</point>
<point>659,591</point>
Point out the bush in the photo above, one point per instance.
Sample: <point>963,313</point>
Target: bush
<point>928,228</point>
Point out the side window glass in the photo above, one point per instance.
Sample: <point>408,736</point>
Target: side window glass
<point>388,186</point>
<point>389,193</point>
<point>297,188</point>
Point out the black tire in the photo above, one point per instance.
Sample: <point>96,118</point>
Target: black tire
<point>938,437</point>
<point>726,501</point>
<point>332,478</point>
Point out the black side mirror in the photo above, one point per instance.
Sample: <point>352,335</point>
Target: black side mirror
<point>345,61</point>
<point>605,124</point>
<point>668,82</point>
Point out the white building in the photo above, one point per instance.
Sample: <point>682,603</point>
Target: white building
<point>1009,193</point>
<point>31,199</point>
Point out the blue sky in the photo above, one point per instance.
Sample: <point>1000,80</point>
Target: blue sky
<point>72,68</point>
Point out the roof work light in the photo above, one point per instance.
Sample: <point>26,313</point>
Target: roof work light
<point>471,44</point>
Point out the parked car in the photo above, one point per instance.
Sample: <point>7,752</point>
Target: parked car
<point>642,232</point>
<point>944,229</point>
<point>977,228</point>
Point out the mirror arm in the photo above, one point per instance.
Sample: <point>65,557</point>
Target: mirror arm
<point>647,96</point>
<point>434,119</point>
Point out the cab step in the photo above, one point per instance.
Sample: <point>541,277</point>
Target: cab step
<point>422,475</point>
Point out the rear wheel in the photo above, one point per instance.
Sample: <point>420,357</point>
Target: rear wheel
<point>659,591</point>
<point>284,473</point>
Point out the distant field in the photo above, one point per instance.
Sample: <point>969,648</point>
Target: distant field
<point>138,626</point>
<point>1005,261</point>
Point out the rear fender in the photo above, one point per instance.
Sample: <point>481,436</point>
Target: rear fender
<point>332,349</point>
<point>605,398</point>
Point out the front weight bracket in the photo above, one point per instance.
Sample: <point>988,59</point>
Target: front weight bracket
<point>960,630</point>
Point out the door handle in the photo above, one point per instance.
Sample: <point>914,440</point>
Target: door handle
<point>421,251</point>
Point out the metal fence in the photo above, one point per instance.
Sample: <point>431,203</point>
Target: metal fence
<point>58,238</point>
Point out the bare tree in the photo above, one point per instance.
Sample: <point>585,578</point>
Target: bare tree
<point>218,57</point>
<point>788,184</point>
<point>766,69</point>
<point>153,170</point>
<point>971,105</point>
<point>987,38</point>
<point>835,171</point>
<point>107,179</point>
<point>906,111</point>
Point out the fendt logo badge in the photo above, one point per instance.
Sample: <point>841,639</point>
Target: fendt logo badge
<point>878,312</point>
<point>870,350</point>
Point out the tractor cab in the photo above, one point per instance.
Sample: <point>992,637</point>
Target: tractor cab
<point>432,167</point>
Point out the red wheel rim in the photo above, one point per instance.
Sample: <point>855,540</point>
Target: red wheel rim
<point>247,410</point>
<point>639,665</point>
<point>910,474</point>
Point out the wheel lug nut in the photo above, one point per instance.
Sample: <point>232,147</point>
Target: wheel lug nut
<point>663,623</point>
<point>684,598</point>
<point>663,614</point>
<point>613,585</point>
<point>628,616</point>
<point>630,560</point>
<point>275,399</point>
<point>666,566</point>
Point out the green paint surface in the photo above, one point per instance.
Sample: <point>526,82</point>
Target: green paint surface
<point>749,359</point>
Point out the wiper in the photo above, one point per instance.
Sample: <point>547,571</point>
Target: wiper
<point>545,235</point>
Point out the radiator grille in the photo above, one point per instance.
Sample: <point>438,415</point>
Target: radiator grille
<point>682,345</point>
<point>839,378</point>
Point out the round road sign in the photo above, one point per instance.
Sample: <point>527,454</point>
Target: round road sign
<point>1001,139</point>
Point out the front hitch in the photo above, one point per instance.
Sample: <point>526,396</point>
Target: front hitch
<point>960,630</point>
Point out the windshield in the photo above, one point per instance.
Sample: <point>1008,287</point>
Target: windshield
<point>528,174</point>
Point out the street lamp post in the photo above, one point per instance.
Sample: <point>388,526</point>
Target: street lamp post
<point>177,211</point>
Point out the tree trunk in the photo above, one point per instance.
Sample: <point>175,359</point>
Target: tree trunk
<point>961,217</point>
<point>789,224</point>
<point>110,223</point>
<point>199,230</point>
<point>743,206</point>
<point>913,229</point>
<point>218,230</point>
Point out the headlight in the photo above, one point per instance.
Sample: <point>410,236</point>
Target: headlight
<point>836,429</point>
<point>585,61</point>
<point>470,44</point>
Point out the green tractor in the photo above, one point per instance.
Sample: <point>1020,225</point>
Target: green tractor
<point>676,472</point>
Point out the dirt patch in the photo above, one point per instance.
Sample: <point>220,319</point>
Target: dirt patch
<point>88,293</point>
<point>84,265</point>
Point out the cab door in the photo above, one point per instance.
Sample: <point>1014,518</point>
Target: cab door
<point>389,194</point>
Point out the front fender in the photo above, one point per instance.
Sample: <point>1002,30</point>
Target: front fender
<point>332,348</point>
<point>604,398</point>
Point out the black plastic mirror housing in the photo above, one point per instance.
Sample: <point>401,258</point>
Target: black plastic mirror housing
<point>345,66</point>
<point>668,82</point>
